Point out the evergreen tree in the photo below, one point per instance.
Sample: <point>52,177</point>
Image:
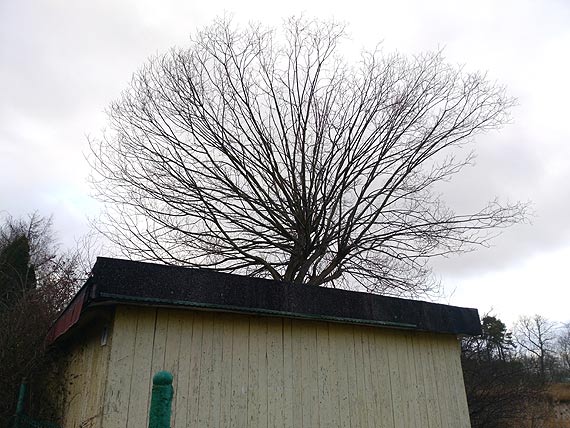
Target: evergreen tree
<point>37,279</point>
<point>498,341</point>
<point>17,274</point>
<point>501,391</point>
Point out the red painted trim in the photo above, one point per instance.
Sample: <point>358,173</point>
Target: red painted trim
<point>68,318</point>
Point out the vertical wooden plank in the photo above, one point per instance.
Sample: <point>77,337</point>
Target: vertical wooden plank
<point>309,377</point>
<point>75,382</point>
<point>434,414</point>
<point>158,348</point>
<point>159,343</point>
<point>350,355</point>
<point>104,372</point>
<point>238,409</point>
<point>195,363</point>
<point>67,417</point>
<point>440,383</point>
<point>254,397</point>
<point>406,386</point>
<point>106,364</point>
<point>361,398</point>
<point>411,382</point>
<point>337,342</point>
<point>99,379</point>
<point>87,374</point>
<point>275,372</point>
<point>120,368</point>
<point>181,394</point>
<point>287,374</point>
<point>372,381</point>
<point>263,378</point>
<point>226,392</point>
<point>97,372</point>
<point>403,376</point>
<point>381,375</point>
<point>395,382</point>
<point>205,378</point>
<point>445,346</point>
<point>460,385</point>
<point>172,351</point>
<point>139,400</point>
<point>324,375</point>
<point>298,399</point>
<point>455,378</point>
<point>216,374</point>
<point>369,395</point>
<point>447,380</point>
<point>426,397</point>
<point>80,382</point>
<point>172,346</point>
<point>73,387</point>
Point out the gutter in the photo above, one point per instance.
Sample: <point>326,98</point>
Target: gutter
<point>256,311</point>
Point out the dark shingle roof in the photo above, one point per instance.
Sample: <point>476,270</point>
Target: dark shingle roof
<point>122,281</point>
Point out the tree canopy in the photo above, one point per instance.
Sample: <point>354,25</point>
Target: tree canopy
<point>37,279</point>
<point>264,152</point>
<point>16,273</point>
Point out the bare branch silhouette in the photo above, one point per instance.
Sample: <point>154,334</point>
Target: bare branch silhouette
<point>263,152</point>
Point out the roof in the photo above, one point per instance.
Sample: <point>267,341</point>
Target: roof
<point>116,281</point>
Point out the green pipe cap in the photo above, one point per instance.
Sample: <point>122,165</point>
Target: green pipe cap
<point>162,378</point>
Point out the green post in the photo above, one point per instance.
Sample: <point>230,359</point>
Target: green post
<point>161,400</point>
<point>20,404</point>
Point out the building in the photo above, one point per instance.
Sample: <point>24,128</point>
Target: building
<point>250,352</point>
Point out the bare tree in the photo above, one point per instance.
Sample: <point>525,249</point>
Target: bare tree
<point>37,278</point>
<point>46,265</point>
<point>264,152</point>
<point>536,337</point>
<point>563,348</point>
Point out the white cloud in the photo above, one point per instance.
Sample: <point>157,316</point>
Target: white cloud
<point>530,286</point>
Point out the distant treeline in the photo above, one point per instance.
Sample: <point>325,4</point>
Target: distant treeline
<point>519,378</point>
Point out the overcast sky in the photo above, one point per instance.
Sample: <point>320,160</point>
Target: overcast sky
<point>63,62</point>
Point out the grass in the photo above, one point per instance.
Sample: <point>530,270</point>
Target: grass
<point>560,392</point>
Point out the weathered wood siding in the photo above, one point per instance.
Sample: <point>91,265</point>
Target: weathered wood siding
<point>234,370</point>
<point>85,376</point>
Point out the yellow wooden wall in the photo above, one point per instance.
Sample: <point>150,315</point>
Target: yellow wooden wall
<point>85,376</point>
<point>241,371</point>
